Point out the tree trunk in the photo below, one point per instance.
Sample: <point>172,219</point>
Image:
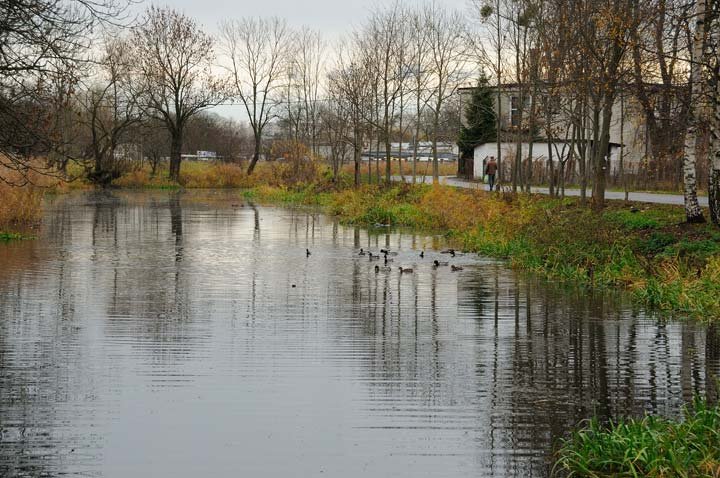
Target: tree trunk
<point>714,185</point>
<point>693,213</point>
<point>357,156</point>
<point>600,153</point>
<point>414,159</point>
<point>175,154</point>
<point>435,166</point>
<point>388,162</point>
<point>256,154</point>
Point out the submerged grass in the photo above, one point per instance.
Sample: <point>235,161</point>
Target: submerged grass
<point>649,447</point>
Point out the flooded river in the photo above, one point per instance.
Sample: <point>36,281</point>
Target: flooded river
<point>185,335</point>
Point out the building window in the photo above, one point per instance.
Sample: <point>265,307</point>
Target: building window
<point>514,111</point>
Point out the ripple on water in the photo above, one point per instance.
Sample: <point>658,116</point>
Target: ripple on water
<point>166,334</point>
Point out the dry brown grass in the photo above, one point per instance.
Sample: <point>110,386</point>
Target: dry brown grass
<point>21,206</point>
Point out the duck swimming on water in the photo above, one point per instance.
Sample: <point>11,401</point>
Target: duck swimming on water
<point>455,268</point>
<point>405,270</point>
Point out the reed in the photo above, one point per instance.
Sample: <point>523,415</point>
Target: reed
<point>20,206</point>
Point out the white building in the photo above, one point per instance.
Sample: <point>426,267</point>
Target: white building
<point>627,132</point>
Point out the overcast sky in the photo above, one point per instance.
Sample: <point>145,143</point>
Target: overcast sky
<point>333,18</point>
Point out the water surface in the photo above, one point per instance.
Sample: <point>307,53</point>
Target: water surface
<point>184,335</point>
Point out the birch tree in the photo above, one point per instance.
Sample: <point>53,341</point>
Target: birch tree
<point>712,79</point>
<point>693,213</point>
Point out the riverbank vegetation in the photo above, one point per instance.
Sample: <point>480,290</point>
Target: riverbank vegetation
<point>20,204</point>
<point>650,447</point>
<point>667,264</point>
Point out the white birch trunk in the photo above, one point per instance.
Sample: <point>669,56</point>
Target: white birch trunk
<point>693,213</point>
<point>714,121</point>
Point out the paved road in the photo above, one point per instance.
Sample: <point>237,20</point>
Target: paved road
<point>657,198</point>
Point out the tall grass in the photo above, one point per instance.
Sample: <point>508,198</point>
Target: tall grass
<point>20,206</point>
<point>648,447</point>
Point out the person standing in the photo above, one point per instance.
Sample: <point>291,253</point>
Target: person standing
<point>491,170</point>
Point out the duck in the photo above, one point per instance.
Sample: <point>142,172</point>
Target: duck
<point>422,254</point>
<point>384,269</point>
<point>362,252</point>
<point>448,251</point>
<point>455,268</point>
<point>386,252</point>
<point>405,270</point>
<point>373,257</point>
<point>437,263</point>
<point>307,252</point>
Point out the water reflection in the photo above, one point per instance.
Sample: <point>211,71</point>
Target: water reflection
<point>170,334</point>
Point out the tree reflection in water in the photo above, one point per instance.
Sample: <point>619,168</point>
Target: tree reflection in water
<point>161,328</point>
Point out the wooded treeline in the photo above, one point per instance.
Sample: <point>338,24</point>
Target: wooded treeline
<point>82,81</point>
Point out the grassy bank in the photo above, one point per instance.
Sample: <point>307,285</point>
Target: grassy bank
<point>650,447</point>
<point>667,265</point>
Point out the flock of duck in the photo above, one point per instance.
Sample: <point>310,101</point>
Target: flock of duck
<point>387,257</point>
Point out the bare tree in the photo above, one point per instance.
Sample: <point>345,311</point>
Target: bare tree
<point>350,89</point>
<point>335,130</point>
<point>448,64</point>
<point>488,49</point>
<point>258,51</point>
<point>109,108</point>
<point>381,44</point>
<point>309,67</point>
<point>419,70</point>
<point>43,46</point>
<point>175,58</point>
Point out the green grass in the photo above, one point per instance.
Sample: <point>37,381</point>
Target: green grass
<point>667,266</point>
<point>13,236</point>
<point>647,447</point>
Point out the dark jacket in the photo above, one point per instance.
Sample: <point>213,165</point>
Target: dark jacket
<point>491,167</point>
